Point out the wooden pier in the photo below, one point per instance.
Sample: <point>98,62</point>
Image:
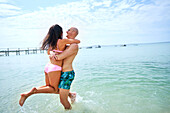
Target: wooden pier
<point>18,51</point>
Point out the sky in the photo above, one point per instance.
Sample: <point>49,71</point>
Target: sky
<point>24,23</point>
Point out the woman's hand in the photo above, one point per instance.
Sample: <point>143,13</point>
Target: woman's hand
<point>53,58</point>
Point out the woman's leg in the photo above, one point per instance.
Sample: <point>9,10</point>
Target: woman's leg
<point>54,79</point>
<point>72,97</point>
<point>47,88</point>
<point>42,89</point>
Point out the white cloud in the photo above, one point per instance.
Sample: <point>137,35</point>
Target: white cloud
<point>104,3</point>
<point>4,1</point>
<point>107,3</point>
<point>95,20</point>
<point>8,10</point>
<point>97,4</point>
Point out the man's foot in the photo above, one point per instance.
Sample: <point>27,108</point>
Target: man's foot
<point>24,96</point>
<point>73,97</point>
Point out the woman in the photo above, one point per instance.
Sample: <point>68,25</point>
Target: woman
<point>53,42</point>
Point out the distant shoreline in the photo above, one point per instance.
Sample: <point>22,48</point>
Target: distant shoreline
<point>123,45</point>
<point>137,43</point>
<point>93,46</point>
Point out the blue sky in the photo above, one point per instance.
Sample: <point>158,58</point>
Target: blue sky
<point>106,22</point>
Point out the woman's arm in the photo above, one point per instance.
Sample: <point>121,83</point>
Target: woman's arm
<point>69,41</point>
<point>48,51</point>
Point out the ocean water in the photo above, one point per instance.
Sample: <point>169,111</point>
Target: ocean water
<point>132,79</point>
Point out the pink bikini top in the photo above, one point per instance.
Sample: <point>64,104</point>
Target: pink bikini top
<point>57,51</point>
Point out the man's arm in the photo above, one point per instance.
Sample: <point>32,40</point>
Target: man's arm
<point>73,48</point>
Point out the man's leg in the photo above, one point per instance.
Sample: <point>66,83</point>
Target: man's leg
<point>64,98</point>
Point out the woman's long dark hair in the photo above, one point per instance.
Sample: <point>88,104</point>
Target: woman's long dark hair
<point>54,33</point>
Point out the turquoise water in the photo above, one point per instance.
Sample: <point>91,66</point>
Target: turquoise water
<point>132,79</point>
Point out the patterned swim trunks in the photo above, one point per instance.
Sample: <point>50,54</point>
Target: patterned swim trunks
<point>66,79</point>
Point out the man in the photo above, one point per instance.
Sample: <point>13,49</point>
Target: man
<point>67,75</point>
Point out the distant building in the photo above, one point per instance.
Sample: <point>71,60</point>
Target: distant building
<point>89,47</point>
<point>98,46</point>
<point>123,45</point>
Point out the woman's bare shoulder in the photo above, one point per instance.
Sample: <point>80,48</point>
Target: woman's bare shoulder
<point>61,43</point>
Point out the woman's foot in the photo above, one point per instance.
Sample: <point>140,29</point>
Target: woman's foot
<point>73,97</point>
<point>24,96</point>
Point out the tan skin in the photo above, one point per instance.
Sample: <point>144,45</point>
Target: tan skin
<point>67,66</point>
<point>68,55</point>
<point>52,78</point>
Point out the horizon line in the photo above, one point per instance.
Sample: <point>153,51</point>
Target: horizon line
<point>99,45</point>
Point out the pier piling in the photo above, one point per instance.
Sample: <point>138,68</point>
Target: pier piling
<point>18,51</point>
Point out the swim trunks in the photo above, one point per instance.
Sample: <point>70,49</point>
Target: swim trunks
<point>66,79</point>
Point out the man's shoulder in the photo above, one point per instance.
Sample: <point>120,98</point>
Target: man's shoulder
<point>74,46</point>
